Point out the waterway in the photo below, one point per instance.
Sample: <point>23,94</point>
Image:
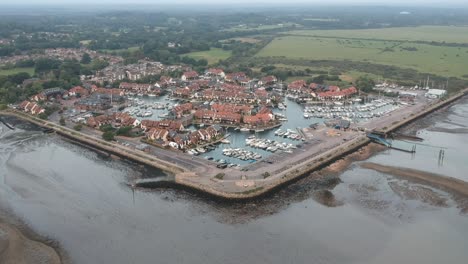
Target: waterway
<point>294,113</point>
<point>81,200</point>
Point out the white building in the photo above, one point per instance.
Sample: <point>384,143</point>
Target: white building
<point>435,93</point>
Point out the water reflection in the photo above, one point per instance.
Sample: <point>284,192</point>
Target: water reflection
<point>72,195</point>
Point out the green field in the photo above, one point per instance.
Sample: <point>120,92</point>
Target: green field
<point>213,55</point>
<point>449,34</point>
<point>85,42</point>
<point>244,40</point>
<point>441,60</point>
<point>29,70</point>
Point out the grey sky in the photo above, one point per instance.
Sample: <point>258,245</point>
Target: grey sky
<point>446,3</point>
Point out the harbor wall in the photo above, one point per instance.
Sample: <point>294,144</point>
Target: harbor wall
<point>265,187</point>
<point>111,148</point>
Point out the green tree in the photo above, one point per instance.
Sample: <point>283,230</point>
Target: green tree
<point>124,131</point>
<point>86,59</point>
<point>43,116</point>
<point>106,128</point>
<point>62,121</point>
<point>44,65</point>
<point>19,77</point>
<point>268,68</point>
<point>78,127</point>
<point>99,64</point>
<point>108,136</point>
<point>365,84</point>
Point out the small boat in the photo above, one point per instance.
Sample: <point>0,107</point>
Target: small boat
<point>225,141</point>
<point>147,114</point>
<point>244,129</point>
<point>259,130</point>
<point>192,152</point>
<point>200,150</point>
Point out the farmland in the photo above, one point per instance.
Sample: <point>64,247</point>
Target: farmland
<point>449,34</point>
<point>12,71</point>
<point>213,55</point>
<point>440,60</point>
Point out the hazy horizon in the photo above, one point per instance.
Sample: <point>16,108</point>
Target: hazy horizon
<point>416,3</point>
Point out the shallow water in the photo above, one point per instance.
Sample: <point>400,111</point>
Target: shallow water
<point>81,200</point>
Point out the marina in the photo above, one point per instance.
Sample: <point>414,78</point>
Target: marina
<point>289,132</point>
<point>153,108</point>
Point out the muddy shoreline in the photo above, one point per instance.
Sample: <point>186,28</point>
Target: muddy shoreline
<point>19,244</point>
<point>453,186</point>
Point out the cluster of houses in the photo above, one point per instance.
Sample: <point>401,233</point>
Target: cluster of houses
<point>140,89</point>
<point>164,132</point>
<point>62,54</point>
<point>115,119</point>
<point>228,89</point>
<point>300,88</point>
<point>173,138</point>
<point>87,98</point>
<point>31,107</point>
<point>132,72</point>
<point>235,115</point>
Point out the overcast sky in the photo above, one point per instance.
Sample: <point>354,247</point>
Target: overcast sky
<point>447,3</point>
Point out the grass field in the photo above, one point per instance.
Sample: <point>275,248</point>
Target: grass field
<point>213,55</point>
<point>441,60</point>
<point>449,34</point>
<point>245,40</point>
<point>85,42</point>
<point>29,70</point>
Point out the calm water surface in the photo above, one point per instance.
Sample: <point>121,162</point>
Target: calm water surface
<point>79,199</point>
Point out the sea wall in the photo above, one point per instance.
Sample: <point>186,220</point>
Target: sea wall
<point>111,148</point>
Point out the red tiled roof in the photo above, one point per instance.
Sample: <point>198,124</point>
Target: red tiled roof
<point>190,74</point>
